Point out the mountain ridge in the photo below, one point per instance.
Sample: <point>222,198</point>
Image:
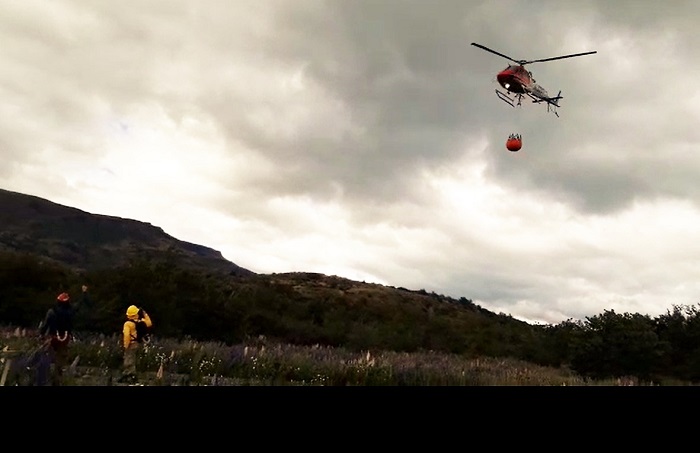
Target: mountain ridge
<point>198,293</point>
<point>87,241</point>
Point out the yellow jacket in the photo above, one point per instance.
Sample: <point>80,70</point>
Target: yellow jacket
<point>129,329</point>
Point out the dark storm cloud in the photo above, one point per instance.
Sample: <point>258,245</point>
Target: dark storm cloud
<point>403,84</point>
<point>409,81</point>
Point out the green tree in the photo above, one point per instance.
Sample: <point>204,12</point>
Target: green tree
<point>614,345</point>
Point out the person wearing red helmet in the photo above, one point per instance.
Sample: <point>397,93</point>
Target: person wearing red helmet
<point>56,330</point>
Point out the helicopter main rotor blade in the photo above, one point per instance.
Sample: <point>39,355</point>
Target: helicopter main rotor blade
<point>497,53</point>
<point>558,58</point>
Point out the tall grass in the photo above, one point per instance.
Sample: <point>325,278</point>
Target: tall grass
<point>97,360</point>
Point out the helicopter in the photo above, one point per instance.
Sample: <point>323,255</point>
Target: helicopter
<point>518,81</point>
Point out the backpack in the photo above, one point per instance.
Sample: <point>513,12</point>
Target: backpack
<point>58,323</point>
<point>143,332</point>
<point>63,321</point>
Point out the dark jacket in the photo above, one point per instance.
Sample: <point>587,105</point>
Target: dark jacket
<point>58,320</point>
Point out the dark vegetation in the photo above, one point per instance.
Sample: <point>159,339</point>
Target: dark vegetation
<point>193,294</point>
<point>312,309</point>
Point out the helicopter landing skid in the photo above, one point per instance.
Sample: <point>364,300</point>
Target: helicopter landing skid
<point>512,101</point>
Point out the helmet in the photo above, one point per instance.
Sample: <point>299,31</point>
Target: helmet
<point>63,297</point>
<point>133,310</point>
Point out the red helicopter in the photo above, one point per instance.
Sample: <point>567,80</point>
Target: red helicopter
<point>519,82</point>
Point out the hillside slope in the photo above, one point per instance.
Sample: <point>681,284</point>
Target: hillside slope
<point>85,241</point>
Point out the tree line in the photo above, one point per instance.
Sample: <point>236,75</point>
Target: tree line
<point>210,306</point>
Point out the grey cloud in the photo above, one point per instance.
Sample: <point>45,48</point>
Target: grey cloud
<point>356,102</point>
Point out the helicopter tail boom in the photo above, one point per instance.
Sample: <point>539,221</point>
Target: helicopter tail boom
<point>550,100</point>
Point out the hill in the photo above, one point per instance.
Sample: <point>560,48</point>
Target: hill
<point>195,294</point>
<point>85,241</point>
<point>46,247</point>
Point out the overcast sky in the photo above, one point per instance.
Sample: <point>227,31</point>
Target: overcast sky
<point>364,139</point>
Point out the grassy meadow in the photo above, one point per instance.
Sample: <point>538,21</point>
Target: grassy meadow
<point>95,360</point>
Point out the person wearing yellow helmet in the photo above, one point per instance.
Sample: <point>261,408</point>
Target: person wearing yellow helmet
<point>131,341</point>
